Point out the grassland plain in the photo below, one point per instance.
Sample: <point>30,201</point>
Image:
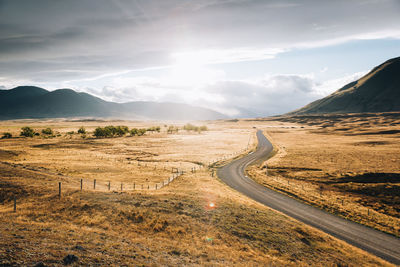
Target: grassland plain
<point>176,225</point>
<point>346,164</point>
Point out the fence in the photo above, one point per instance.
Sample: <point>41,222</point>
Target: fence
<point>86,184</point>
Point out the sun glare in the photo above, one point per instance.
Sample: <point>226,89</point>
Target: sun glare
<point>192,68</point>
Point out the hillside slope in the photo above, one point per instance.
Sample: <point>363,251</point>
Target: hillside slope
<point>34,102</point>
<point>377,91</point>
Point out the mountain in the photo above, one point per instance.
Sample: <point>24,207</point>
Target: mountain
<point>35,102</point>
<point>378,91</point>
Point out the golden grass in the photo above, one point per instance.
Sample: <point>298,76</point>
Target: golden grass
<point>349,166</point>
<point>173,226</point>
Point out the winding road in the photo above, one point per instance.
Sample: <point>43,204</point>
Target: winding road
<point>378,243</point>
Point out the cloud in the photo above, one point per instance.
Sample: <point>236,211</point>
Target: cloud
<point>179,50</point>
<point>270,96</point>
<point>96,37</point>
<point>273,95</point>
<point>328,87</point>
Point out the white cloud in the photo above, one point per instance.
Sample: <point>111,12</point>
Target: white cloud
<point>173,50</point>
<point>327,87</point>
<point>270,95</point>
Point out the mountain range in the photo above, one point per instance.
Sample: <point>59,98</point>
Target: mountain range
<point>377,91</point>
<point>34,102</point>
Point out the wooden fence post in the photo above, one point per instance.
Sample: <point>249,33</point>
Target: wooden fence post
<point>121,186</point>
<point>59,189</point>
<point>81,184</point>
<point>94,184</point>
<point>15,203</point>
<point>156,186</point>
<point>134,186</point>
<point>109,185</point>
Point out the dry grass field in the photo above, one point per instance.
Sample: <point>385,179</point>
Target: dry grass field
<point>195,220</point>
<point>348,165</point>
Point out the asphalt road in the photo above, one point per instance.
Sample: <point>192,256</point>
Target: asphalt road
<point>368,239</point>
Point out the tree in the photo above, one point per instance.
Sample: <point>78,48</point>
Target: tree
<point>141,132</point>
<point>172,129</point>
<point>154,129</point>
<point>81,130</point>
<point>134,131</point>
<point>6,136</point>
<point>120,130</point>
<point>27,132</point>
<point>47,131</point>
<point>99,132</point>
<point>190,127</point>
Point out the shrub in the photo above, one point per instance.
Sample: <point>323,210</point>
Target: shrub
<point>141,131</point>
<point>120,130</point>
<point>138,132</point>
<point>172,129</point>
<point>6,135</point>
<point>81,130</point>
<point>154,129</point>
<point>133,131</point>
<point>27,132</point>
<point>47,131</point>
<point>71,132</point>
<point>190,127</point>
<point>111,131</point>
<point>99,132</point>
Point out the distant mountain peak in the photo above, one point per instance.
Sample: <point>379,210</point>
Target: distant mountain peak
<point>35,102</point>
<point>377,91</point>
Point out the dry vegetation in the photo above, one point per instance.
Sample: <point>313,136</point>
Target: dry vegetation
<point>348,165</point>
<point>173,226</point>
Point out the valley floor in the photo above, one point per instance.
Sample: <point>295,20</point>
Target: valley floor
<point>195,220</point>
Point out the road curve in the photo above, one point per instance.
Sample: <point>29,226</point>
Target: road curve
<point>378,243</point>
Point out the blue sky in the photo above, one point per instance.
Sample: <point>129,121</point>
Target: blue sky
<point>240,57</point>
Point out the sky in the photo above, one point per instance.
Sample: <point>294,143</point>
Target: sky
<point>244,58</point>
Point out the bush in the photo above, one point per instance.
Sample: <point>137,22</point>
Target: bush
<point>111,131</point>
<point>6,136</point>
<point>133,131</point>
<point>138,132</point>
<point>47,131</point>
<point>172,129</point>
<point>81,130</point>
<point>121,130</point>
<point>141,132</point>
<point>27,132</point>
<point>71,132</point>
<point>190,127</point>
<point>154,129</point>
<point>99,132</point>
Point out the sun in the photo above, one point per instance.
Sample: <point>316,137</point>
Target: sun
<point>195,67</point>
<point>189,68</point>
